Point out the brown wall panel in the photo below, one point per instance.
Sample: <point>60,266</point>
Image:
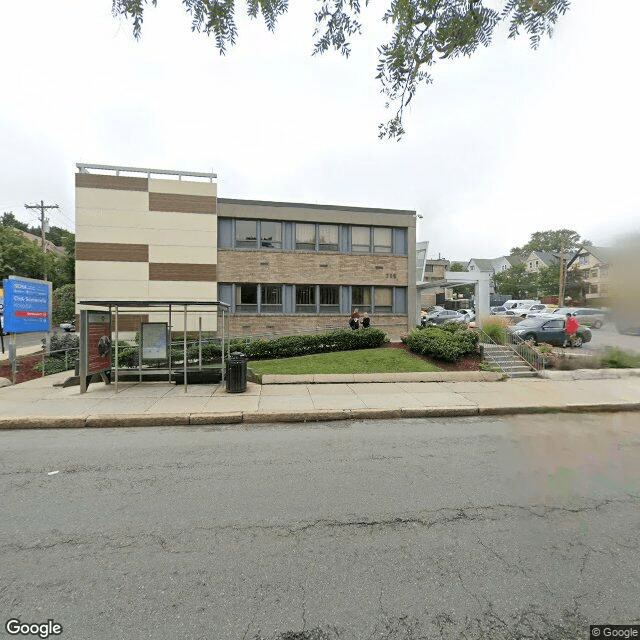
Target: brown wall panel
<point>182,272</point>
<point>128,321</point>
<point>112,251</point>
<point>122,183</point>
<point>182,203</point>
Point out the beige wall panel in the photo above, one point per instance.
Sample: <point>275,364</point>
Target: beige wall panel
<point>112,199</point>
<point>180,237</point>
<point>146,220</point>
<point>184,187</point>
<point>173,253</point>
<point>182,290</point>
<point>111,218</point>
<point>186,221</point>
<point>94,289</point>
<point>125,235</point>
<point>119,271</point>
<point>208,315</point>
<point>311,268</point>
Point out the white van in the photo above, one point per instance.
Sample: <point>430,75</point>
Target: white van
<point>519,304</point>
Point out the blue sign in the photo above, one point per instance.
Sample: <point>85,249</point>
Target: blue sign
<point>27,305</point>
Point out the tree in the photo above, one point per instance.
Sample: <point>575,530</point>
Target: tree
<point>547,281</point>
<point>19,256</point>
<point>64,303</point>
<point>424,31</point>
<point>558,241</point>
<point>9,220</point>
<point>515,281</point>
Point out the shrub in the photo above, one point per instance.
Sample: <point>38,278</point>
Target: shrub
<point>496,331</point>
<point>617,359</point>
<point>292,346</point>
<point>54,365</point>
<point>62,341</point>
<point>442,344</point>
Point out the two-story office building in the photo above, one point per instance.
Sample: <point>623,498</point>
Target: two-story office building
<point>282,267</point>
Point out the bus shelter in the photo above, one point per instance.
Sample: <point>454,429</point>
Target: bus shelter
<point>100,335</point>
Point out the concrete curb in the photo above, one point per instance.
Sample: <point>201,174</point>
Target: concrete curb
<point>418,376</point>
<point>325,415</point>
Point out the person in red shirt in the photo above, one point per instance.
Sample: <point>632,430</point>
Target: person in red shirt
<point>571,327</point>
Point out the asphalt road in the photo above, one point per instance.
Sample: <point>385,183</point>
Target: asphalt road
<point>519,527</point>
<point>608,336</point>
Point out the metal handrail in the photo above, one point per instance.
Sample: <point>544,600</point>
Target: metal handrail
<point>526,352</point>
<point>522,350</point>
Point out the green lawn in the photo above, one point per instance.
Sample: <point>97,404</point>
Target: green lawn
<point>360,361</point>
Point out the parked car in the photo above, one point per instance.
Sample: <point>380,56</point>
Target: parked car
<point>440,317</point>
<point>68,326</point>
<point>466,315</point>
<point>549,330</point>
<point>590,317</point>
<point>533,311</point>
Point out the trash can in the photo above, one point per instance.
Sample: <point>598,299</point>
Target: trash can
<point>237,372</point>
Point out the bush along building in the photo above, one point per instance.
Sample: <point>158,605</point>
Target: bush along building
<point>145,234</point>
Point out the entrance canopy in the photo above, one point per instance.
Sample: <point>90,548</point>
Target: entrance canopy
<point>480,279</point>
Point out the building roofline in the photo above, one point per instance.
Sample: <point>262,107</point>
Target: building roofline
<point>306,205</point>
<point>84,167</point>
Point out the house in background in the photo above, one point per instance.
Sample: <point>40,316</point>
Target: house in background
<point>592,263</point>
<point>431,270</point>
<point>536,260</point>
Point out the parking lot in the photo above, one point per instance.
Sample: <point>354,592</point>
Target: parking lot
<point>608,336</point>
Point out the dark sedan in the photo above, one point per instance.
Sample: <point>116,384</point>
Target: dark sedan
<point>440,317</point>
<point>549,330</point>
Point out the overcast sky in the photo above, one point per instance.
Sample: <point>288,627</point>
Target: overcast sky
<point>503,144</point>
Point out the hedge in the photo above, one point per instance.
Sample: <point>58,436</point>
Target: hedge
<point>450,343</point>
<point>259,349</point>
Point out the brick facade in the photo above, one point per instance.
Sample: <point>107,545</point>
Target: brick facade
<point>272,325</point>
<point>301,267</point>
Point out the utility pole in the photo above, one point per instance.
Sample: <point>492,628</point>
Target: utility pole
<point>42,207</point>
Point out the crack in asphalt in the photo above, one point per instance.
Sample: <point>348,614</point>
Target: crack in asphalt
<point>438,517</point>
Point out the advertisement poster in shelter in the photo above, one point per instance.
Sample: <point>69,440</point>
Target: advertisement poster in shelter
<point>99,341</point>
<point>154,341</point>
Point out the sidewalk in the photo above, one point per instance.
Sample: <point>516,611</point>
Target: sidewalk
<point>39,404</point>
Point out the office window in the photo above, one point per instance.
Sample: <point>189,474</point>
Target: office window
<point>383,300</point>
<point>361,299</point>
<point>593,288</point>
<point>594,273</point>
<point>305,236</point>
<point>328,234</point>
<point>428,268</point>
<point>247,234</point>
<point>382,240</point>
<point>361,239</point>
<point>305,298</point>
<point>271,234</point>
<point>329,298</point>
<point>583,259</point>
<point>247,298</point>
<point>271,298</point>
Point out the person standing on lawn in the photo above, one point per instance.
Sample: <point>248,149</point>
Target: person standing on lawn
<point>571,327</point>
